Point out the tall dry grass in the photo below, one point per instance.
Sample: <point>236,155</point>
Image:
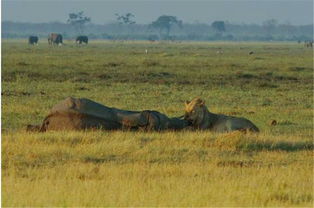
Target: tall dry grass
<point>119,168</point>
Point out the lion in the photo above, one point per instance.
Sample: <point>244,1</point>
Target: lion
<point>197,114</point>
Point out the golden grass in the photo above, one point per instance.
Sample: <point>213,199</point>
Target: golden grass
<point>184,169</point>
<point>96,168</point>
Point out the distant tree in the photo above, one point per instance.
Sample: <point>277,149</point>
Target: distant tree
<point>165,23</point>
<point>78,20</point>
<point>126,19</point>
<point>287,28</point>
<point>219,26</point>
<point>270,25</point>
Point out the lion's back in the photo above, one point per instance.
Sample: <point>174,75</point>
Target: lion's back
<point>230,123</point>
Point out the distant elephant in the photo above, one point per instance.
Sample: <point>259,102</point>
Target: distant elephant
<point>32,40</point>
<point>308,44</point>
<point>82,39</point>
<point>55,38</point>
<point>80,114</point>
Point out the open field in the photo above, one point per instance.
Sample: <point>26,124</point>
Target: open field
<point>97,168</point>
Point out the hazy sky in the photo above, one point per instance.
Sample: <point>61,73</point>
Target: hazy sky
<point>145,11</point>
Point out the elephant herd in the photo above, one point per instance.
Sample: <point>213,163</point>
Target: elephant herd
<point>57,39</point>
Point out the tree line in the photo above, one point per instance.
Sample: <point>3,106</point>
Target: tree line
<point>165,27</point>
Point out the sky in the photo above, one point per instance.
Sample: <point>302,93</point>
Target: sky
<point>296,12</point>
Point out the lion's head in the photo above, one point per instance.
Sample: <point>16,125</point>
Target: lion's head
<point>195,110</point>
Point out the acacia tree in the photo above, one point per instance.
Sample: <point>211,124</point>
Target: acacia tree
<point>126,19</point>
<point>78,20</point>
<point>219,26</point>
<point>269,26</point>
<point>165,23</point>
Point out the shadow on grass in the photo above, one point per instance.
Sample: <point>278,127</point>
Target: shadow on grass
<point>237,141</point>
<point>108,158</point>
<point>121,159</point>
<point>278,146</point>
<point>275,146</point>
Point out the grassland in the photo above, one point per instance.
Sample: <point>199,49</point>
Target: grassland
<point>120,168</point>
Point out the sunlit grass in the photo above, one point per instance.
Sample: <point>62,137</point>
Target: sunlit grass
<point>168,169</point>
<point>121,168</point>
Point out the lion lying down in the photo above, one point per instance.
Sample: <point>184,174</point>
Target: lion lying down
<point>79,114</point>
<point>200,118</point>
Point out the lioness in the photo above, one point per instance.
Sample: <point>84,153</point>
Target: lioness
<point>200,118</point>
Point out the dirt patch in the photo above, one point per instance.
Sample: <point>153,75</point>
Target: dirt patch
<point>81,79</point>
<point>299,68</point>
<point>83,88</point>
<point>267,85</point>
<point>262,79</point>
<point>238,164</point>
<point>106,159</point>
<point>22,64</point>
<point>34,76</point>
<point>104,76</point>
<point>259,58</point>
<point>246,76</point>
<point>279,146</point>
<point>158,75</point>
<point>15,93</point>
<point>285,122</point>
<point>113,64</point>
<point>150,63</point>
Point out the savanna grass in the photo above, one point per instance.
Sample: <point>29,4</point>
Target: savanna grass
<point>121,168</point>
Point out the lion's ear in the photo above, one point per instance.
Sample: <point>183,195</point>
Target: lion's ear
<point>187,103</point>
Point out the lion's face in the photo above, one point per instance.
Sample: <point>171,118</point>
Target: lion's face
<point>194,110</point>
